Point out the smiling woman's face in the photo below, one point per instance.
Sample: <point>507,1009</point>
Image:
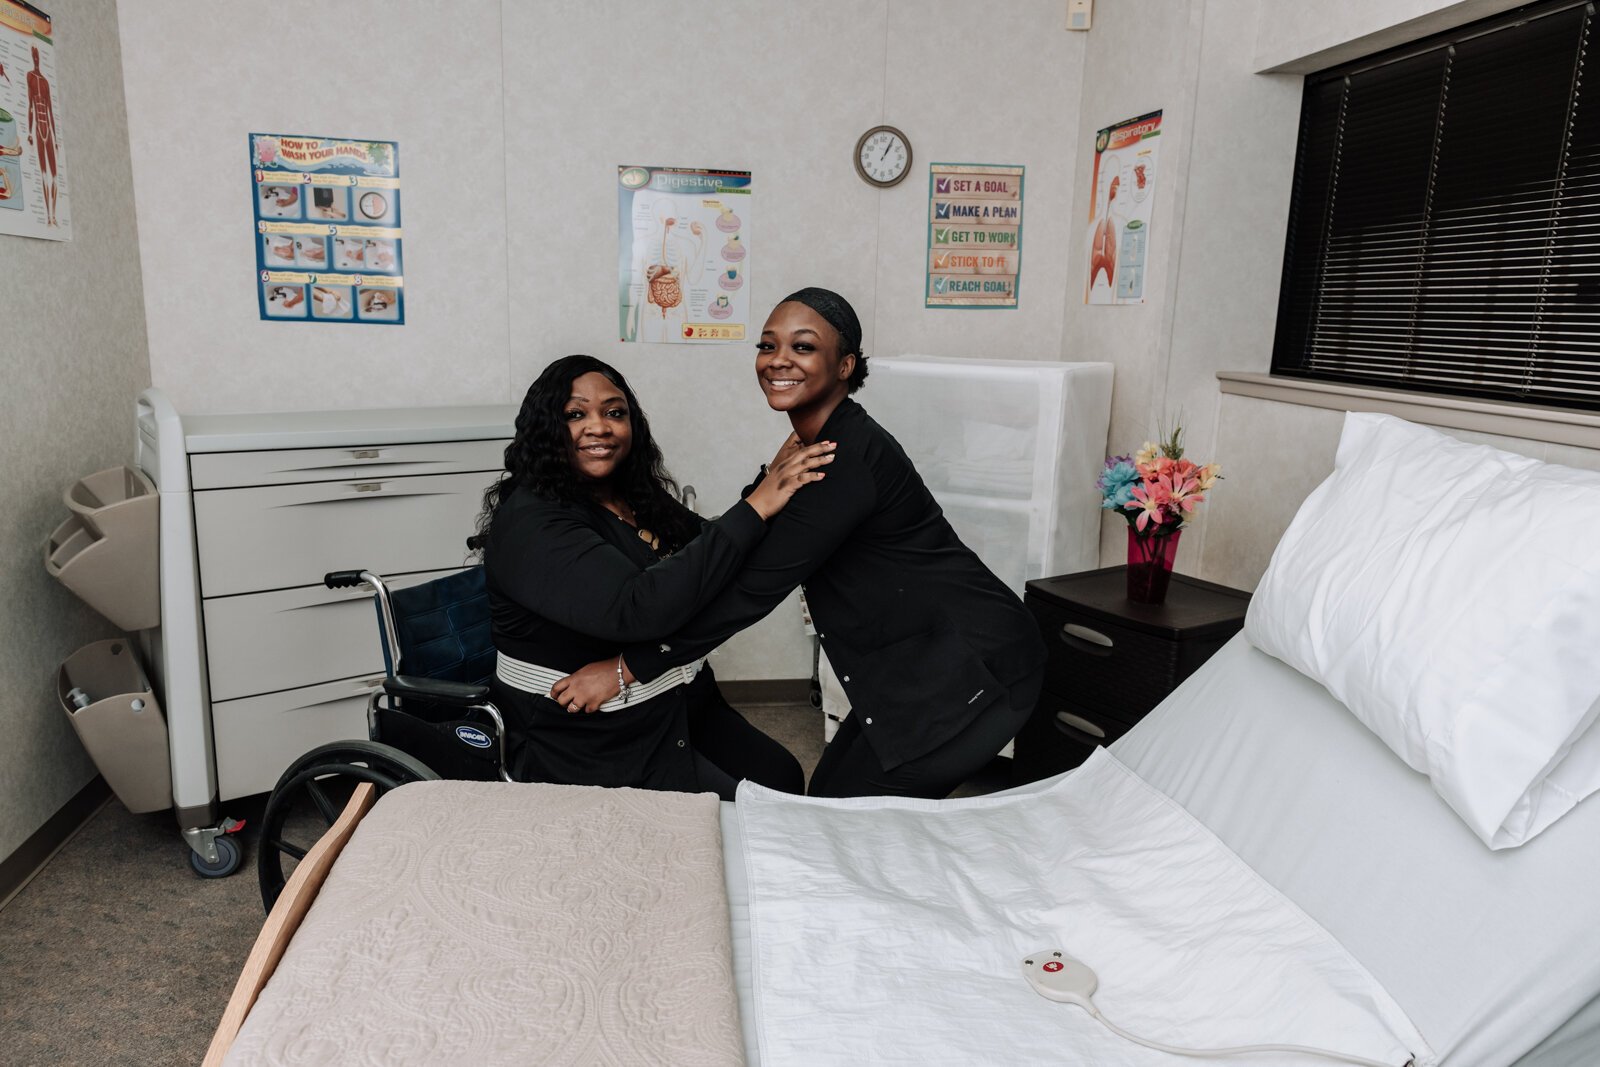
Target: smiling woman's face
<point>797,361</point>
<point>600,425</point>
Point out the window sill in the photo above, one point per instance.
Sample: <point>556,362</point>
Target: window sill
<point>1556,425</point>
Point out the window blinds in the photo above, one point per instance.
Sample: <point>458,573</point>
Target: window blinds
<point>1444,228</point>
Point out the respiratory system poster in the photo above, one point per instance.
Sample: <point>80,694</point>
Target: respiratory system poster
<point>1124,184</point>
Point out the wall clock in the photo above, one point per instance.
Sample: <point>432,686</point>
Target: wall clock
<point>883,156</point>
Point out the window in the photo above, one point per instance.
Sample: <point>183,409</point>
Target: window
<point>1444,231</point>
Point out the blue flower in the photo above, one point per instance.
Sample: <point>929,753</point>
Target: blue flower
<point>1116,483</point>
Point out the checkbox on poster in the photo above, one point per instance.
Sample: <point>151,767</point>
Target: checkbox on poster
<point>941,211</point>
<point>941,236</point>
<point>938,286</point>
<point>941,185</point>
<point>941,262</point>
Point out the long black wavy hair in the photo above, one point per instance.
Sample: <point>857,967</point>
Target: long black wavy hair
<point>536,458</point>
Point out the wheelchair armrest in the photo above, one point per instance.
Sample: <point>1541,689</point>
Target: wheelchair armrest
<point>455,694</point>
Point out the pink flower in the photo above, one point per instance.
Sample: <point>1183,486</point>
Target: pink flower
<point>1150,500</point>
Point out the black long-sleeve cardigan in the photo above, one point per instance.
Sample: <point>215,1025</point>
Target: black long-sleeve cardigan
<point>922,635</point>
<point>570,583</point>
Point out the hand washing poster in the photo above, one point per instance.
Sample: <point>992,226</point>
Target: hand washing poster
<point>974,236</point>
<point>328,234</point>
<point>33,153</point>
<point>1124,184</point>
<point>684,271</point>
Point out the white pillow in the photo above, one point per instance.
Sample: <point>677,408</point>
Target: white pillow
<point>1449,595</point>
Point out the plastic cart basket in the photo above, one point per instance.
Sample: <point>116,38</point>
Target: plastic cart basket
<point>106,550</point>
<point>108,700</point>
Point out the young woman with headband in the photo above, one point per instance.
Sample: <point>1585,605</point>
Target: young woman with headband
<point>941,662</point>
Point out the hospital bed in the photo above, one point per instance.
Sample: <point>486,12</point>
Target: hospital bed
<point>1251,864</point>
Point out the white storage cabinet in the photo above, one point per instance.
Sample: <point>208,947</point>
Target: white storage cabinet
<point>1010,449</point>
<point>257,661</point>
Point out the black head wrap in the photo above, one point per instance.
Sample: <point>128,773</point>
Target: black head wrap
<point>838,313</point>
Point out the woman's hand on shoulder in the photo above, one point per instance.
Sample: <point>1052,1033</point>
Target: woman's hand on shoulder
<point>794,467</point>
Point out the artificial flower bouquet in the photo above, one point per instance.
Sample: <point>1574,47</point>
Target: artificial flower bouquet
<point>1156,489</point>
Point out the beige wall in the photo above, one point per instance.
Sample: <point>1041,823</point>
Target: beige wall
<point>201,78</point>
<point>75,355</point>
<point>512,118</point>
<point>1217,243</point>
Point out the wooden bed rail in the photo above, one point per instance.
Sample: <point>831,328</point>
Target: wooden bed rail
<point>292,905</point>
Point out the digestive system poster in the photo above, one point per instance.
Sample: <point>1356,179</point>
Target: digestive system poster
<point>683,255</point>
<point>33,151</point>
<point>1124,183</point>
<point>974,235</point>
<point>328,229</point>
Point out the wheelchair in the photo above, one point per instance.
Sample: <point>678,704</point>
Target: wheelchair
<point>430,719</point>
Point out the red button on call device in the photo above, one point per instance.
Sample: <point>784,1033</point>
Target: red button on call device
<point>1053,966</point>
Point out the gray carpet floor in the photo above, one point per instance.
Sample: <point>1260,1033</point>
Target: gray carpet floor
<point>116,953</point>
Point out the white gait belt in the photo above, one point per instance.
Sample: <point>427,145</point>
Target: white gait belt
<point>532,678</point>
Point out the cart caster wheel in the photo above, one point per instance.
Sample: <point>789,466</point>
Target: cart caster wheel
<point>228,857</point>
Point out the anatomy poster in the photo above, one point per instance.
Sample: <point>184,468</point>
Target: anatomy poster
<point>328,229</point>
<point>1124,184</point>
<point>683,254</point>
<point>974,236</point>
<point>33,152</point>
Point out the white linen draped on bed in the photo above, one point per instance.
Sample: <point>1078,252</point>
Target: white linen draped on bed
<point>891,931</point>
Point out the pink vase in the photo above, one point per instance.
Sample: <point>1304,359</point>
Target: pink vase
<point>1150,565</point>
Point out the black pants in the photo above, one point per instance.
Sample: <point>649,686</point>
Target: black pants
<point>849,767</point>
<point>727,748</point>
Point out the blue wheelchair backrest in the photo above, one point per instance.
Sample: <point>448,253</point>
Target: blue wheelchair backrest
<point>442,628</point>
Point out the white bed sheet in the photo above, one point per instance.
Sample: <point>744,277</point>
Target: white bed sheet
<point>1487,952</point>
<point>891,930</point>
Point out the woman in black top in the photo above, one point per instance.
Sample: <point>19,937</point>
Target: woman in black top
<point>587,549</point>
<point>941,661</point>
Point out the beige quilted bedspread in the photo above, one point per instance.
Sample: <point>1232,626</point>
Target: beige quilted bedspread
<point>483,923</point>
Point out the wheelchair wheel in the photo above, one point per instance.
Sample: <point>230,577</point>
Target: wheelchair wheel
<point>313,791</point>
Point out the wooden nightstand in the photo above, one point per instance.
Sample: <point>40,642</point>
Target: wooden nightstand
<point>1112,660</point>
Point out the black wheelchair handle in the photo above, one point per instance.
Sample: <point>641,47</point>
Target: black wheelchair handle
<point>341,579</point>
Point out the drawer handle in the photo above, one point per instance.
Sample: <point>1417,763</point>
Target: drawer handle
<point>366,453</point>
<point>361,687</point>
<point>1082,638</point>
<point>368,487</point>
<point>1079,729</point>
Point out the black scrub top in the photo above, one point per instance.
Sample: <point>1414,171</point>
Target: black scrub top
<point>571,583</point>
<point>923,636</point>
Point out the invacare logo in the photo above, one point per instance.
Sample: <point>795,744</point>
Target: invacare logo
<point>471,735</point>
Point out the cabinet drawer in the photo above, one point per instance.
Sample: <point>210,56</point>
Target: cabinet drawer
<point>277,537</point>
<point>258,737</point>
<point>1096,664</point>
<point>288,638</point>
<point>1058,736</point>
<point>226,470</point>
